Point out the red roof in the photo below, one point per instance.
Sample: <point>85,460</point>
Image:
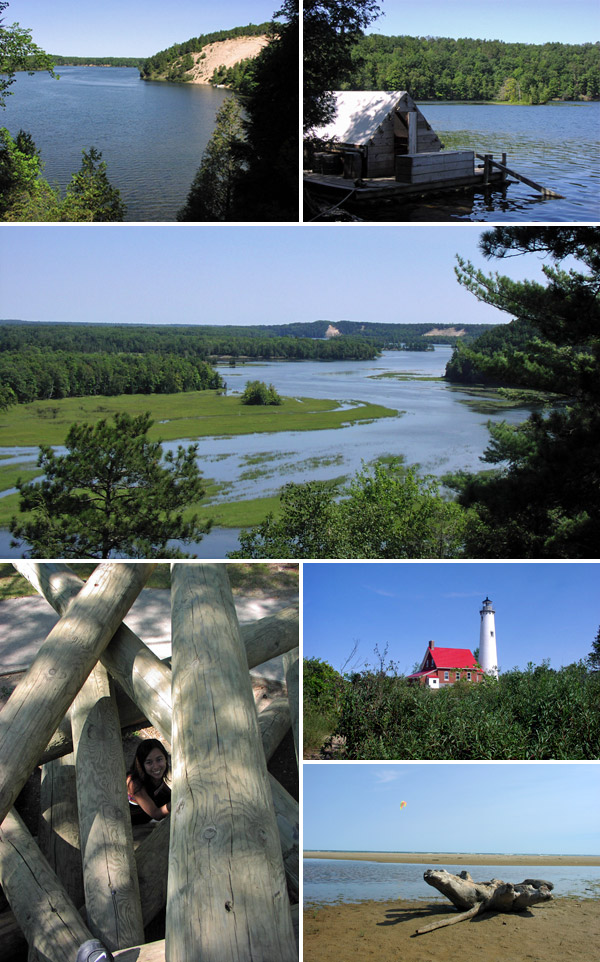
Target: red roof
<point>445,659</point>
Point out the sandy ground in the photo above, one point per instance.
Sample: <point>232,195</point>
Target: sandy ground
<point>436,858</point>
<point>225,53</point>
<point>565,930</point>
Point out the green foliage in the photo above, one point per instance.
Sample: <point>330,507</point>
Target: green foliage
<point>331,29</point>
<point>593,659</point>
<point>26,196</point>
<point>542,501</point>
<point>161,63</point>
<point>322,685</point>
<point>440,68</point>
<point>267,185</point>
<point>114,492</point>
<point>20,167</point>
<point>239,77</point>
<point>538,713</point>
<point>385,512</point>
<point>18,52</point>
<point>211,195</point>
<point>62,61</point>
<point>257,392</point>
<point>90,196</point>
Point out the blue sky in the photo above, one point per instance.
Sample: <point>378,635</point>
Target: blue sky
<point>129,28</point>
<point>455,807</point>
<point>542,610</point>
<point>243,275</point>
<point>532,21</point>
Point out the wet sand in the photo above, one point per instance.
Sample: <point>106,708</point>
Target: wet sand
<point>565,930</point>
<point>442,858</point>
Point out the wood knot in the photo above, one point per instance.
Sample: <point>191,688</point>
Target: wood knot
<point>228,906</point>
<point>210,832</point>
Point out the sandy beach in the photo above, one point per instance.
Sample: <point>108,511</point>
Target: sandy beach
<point>564,930</point>
<point>440,858</point>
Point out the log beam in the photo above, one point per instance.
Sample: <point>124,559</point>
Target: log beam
<point>227,899</point>
<point>112,897</point>
<point>291,661</point>
<point>58,832</point>
<point>35,708</point>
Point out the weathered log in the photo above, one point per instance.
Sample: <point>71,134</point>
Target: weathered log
<point>477,897</point>
<point>42,908</point>
<point>291,661</point>
<point>35,708</point>
<point>274,723</point>
<point>227,899</point>
<point>112,897</point>
<point>271,636</point>
<point>58,831</point>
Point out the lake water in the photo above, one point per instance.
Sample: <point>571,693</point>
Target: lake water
<point>556,145</point>
<point>336,880</point>
<point>431,428</point>
<point>151,134</point>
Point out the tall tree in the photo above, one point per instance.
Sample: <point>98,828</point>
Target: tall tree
<point>543,499</point>
<point>90,195</point>
<point>593,659</point>
<point>18,52</point>
<point>211,195</point>
<point>331,29</point>
<point>114,492</point>
<point>267,187</point>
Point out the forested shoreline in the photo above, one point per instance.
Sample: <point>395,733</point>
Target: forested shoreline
<point>174,61</point>
<point>440,68</point>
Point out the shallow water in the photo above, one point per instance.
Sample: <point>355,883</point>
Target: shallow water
<point>151,134</point>
<point>338,880</point>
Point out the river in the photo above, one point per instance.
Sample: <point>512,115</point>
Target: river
<point>151,134</point>
<point>328,881</point>
<point>433,428</point>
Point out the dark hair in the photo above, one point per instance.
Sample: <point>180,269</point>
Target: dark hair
<point>137,772</point>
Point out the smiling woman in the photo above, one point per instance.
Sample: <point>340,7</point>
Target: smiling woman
<point>148,788</point>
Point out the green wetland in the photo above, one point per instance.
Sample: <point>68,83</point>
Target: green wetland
<point>336,415</point>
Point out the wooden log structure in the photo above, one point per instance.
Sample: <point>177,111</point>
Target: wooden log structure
<point>58,831</point>
<point>64,661</point>
<point>490,162</point>
<point>474,898</point>
<point>46,915</point>
<point>112,897</point>
<point>233,826</point>
<point>227,899</point>
<point>291,661</point>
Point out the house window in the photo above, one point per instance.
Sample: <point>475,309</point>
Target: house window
<point>468,676</point>
<point>458,676</point>
<point>446,676</point>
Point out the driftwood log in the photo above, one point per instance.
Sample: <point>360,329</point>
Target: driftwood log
<point>473,898</point>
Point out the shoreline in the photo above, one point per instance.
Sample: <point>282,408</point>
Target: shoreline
<point>558,931</point>
<point>458,858</point>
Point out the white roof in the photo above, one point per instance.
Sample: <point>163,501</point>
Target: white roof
<point>359,114</point>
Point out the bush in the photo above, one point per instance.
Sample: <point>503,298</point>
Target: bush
<point>257,392</point>
<point>538,713</point>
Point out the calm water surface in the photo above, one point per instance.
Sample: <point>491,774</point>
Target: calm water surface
<point>151,134</point>
<point>337,880</point>
<point>556,145</point>
<point>432,427</point>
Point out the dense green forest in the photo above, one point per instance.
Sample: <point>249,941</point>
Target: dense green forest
<point>33,374</point>
<point>296,340</point>
<point>240,77</point>
<point>533,713</point>
<point>514,355</point>
<point>439,68</point>
<point>175,60</point>
<point>60,61</point>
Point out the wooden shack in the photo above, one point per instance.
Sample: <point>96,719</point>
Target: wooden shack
<point>375,127</point>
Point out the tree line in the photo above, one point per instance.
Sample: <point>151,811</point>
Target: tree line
<point>440,68</point>
<point>62,61</point>
<point>192,341</point>
<point>169,61</point>
<point>37,374</point>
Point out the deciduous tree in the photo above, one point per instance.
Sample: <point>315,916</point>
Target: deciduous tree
<point>18,52</point>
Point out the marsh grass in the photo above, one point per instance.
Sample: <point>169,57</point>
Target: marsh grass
<point>184,416</point>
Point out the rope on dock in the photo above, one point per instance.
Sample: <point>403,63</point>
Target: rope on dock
<point>329,210</point>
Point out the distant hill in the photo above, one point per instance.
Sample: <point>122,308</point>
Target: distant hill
<point>196,60</point>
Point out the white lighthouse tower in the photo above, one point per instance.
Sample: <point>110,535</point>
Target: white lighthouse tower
<point>488,656</point>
